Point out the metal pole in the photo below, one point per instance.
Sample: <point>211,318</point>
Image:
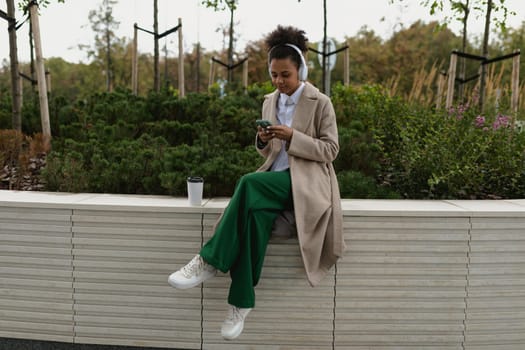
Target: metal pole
<point>198,70</point>
<point>484,54</point>
<point>324,47</point>
<point>181,62</point>
<point>156,72</point>
<point>135,62</point>
<point>230,47</point>
<point>109,66</point>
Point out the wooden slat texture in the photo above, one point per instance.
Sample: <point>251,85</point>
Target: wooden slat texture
<point>92,269</point>
<point>289,314</point>
<point>36,291</point>
<point>401,284</point>
<point>122,260</point>
<point>496,290</point>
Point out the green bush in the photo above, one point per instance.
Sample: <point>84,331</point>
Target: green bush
<point>5,110</point>
<point>354,184</point>
<point>122,166</point>
<point>121,143</point>
<point>220,166</point>
<point>456,154</point>
<point>151,144</point>
<point>360,112</point>
<point>65,172</point>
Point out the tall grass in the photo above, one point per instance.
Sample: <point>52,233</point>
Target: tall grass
<point>424,90</point>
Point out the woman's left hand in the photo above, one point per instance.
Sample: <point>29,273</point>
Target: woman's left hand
<point>281,132</point>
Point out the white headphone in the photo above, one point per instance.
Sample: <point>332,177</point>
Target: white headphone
<point>303,68</point>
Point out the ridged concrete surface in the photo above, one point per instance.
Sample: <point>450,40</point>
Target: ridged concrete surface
<point>93,268</point>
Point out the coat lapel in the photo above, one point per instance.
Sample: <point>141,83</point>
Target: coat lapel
<point>272,112</point>
<point>304,112</point>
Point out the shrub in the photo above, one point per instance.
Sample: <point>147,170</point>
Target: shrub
<point>121,143</point>
<point>363,115</point>
<point>354,184</point>
<point>220,165</point>
<point>121,166</point>
<point>66,172</point>
<point>21,159</point>
<point>201,134</point>
<point>456,154</point>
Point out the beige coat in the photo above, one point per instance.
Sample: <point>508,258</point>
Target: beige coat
<point>317,203</point>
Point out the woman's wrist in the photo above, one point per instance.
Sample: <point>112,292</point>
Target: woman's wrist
<point>261,144</point>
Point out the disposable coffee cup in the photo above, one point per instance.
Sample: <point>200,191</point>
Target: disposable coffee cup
<point>195,185</point>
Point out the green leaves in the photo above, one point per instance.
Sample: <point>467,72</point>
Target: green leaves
<point>443,155</point>
<point>421,153</point>
<point>220,5</point>
<point>119,143</point>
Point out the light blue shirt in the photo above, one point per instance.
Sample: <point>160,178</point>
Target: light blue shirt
<point>285,112</point>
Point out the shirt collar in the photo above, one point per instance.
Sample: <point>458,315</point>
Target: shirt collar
<point>294,97</point>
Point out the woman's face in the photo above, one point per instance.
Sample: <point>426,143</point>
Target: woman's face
<point>285,75</point>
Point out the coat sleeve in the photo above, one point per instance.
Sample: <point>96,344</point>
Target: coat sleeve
<point>266,150</point>
<point>263,151</point>
<point>324,146</point>
<point>270,151</point>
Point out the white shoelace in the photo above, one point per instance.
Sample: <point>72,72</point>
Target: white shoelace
<point>194,267</point>
<point>236,315</point>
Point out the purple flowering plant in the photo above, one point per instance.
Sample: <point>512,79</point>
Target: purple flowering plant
<point>457,154</point>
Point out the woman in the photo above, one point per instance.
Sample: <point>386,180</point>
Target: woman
<point>297,175</point>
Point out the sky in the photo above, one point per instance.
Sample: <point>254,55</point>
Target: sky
<point>65,26</point>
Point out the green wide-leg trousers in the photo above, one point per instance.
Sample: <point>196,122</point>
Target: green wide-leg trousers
<point>241,237</point>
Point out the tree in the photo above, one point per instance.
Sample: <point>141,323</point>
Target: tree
<point>370,63</point>
<point>479,8</point>
<point>325,40</point>
<point>15,77</point>
<point>512,39</point>
<point>418,47</point>
<point>220,5</point>
<point>258,68</point>
<point>462,10</point>
<point>104,25</point>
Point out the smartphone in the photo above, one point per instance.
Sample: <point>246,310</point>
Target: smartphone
<point>263,123</point>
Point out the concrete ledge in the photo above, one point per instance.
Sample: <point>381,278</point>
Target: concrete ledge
<point>92,269</point>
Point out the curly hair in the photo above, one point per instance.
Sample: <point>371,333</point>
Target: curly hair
<point>276,42</point>
<point>287,35</point>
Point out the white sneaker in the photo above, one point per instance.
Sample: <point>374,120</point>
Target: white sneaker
<point>234,323</point>
<point>193,274</point>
